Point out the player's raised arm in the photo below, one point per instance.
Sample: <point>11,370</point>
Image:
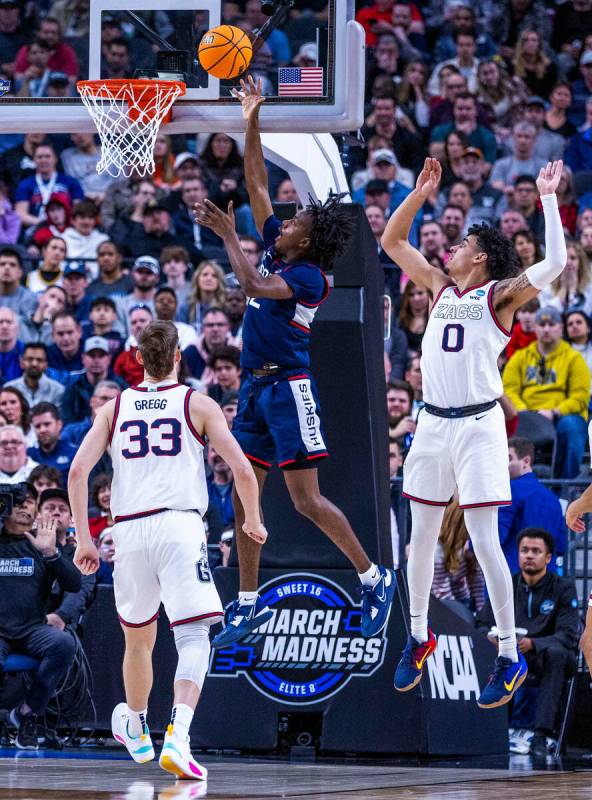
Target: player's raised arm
<point>512,293</point>
<point>92,448</point>
<point>206,412</point>
<point>395,239</point>
<point>255,171</point>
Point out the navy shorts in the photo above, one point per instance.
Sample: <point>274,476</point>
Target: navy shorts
<point>279,420</point>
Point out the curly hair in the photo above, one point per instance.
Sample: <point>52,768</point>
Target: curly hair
<point>502,259</point>
<point>330,230</point>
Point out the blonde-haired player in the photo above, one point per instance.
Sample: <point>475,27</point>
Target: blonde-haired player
<point>155,433</point>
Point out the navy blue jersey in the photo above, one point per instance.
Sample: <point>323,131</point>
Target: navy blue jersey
<point>278,331</point>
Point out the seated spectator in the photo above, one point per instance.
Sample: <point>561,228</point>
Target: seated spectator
<point>527,248</point>
<point>229,406</point>
<point>286,193</point>
<point>57,219</point>
<point>80,161</point>
<point>122,213</point>
<point>207,291</point>
<point>96,361</point>
<point>43,477</point>
<point>225,546</point>
<point>174,263</point>
<point>112,282</point>
<point>34,385</point>
<point>17,412</point>
<point>51,449</point>
<point>414,378</point>
<point>399,403</point>
<point>548,146</point>
<point>222,165</point>
<point>525,200</point>
<point>201,242</point>
<point>556,119</point>
<point>126,365</point>
<point>32,193</point>
<point>23,627</point>
<point>216,332</point>
<point>186,167</point>
<point>464,111</point>
<point>100,497</point>
<point>577,333</point>
<point>12,294</point>
<point>65,356</point>
<point>165,304</point>
<point>523,330</point>
<point>383,166</point>
<point>512,221</point>
<point>75,432</point>
<point>406,145</point>
<point>409,33</point>
<point>82,237</point>
<point>572,290</point>
<point>106,558</point>
<point>507,170</point>
<point>414,313</point>
<point>551,378</point>
<point>10,223</point>
<point>498,91</point>
<point>547,608</point>
<point>33,81</point>
<point>103,319</point>
<point>457,574</point>
<point>486,200</point>
<point>432,241</point>
<point>17,162</point>
<point>11,349</point>
<point>452,223</point>
<point>116,59</point>
<point>65,608</point>
<point>220,483</point>
<point>566,198</point>
<point>37,327</point>
<point>75,284</point>
<point>15,464</point>
<point>145,278</point>
<point>532,65</point>
<point>581,89</point>
<point>153,236</point>
<point>464,58</point>
<point>578,154</point>
<point>585,240</point>
<point>62,57</point>
<point>533,505</point>
<point>164,163</point>
<point>225,364</point>
<point>462,19</point>
<point>278,42</point>
<point>361,176</point>
<point>49,271</point>
<point>412,94</point>
<point>452,84</point>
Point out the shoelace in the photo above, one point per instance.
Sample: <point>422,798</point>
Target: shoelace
<point>370,592</point>
<point>407,653</point>
<point>500,666</point>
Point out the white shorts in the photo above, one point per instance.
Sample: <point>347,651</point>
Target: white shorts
<point>164,557</point>
<point>469,453</point>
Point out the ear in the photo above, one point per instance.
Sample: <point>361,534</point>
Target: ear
<point>177,355</point>
<point>139,358</point>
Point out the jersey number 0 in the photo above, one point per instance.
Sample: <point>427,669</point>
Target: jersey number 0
<point>453,338</point>
<point>169,429</point>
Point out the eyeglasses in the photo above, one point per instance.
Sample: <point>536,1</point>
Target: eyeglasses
<point>215,324</point>
<point>12,443</point>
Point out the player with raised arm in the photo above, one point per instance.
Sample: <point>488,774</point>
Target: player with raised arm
<point>156,436</point>
<point>460,441</point>
<point>278,413</point>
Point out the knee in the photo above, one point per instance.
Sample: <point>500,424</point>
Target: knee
<point>570,425</point>
<point>63,647</point>
<point>308,505</point>
<point>555,657</point>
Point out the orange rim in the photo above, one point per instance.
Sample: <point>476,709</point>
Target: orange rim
<point>141,91</point>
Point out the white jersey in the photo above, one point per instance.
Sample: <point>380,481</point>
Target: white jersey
<point>157,454</point>
<point>460,348</point>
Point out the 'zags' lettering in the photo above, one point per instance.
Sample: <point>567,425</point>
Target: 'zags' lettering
<point>463,311</point>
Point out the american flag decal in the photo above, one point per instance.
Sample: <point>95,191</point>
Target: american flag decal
<point>300,82</point>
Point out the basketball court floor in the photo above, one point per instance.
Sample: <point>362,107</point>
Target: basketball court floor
<point>78,775</point>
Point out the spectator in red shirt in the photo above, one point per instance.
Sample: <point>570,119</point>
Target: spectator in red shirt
<point>378,19</point>
<point>523,329</point>
<point>126,365</point>
<point>62,58</point>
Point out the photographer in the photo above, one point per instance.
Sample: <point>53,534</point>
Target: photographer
<point>29,565</point>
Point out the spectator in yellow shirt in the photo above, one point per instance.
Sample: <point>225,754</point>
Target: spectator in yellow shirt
<point>552,378</point>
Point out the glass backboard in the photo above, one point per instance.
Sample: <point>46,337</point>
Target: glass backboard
<point>312,66</point>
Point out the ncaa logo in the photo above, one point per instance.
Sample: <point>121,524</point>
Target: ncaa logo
<point>480,292</point>
<point>547,606</point>
<point>311,647</point>
<point>4,86</point>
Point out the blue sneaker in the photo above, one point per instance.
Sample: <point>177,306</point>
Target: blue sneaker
<point>376,602</point>
<point>506,678</point>
<point>240,621</point>
<point>410,667</point>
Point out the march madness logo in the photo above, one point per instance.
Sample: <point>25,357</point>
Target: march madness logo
<point>309,649</point>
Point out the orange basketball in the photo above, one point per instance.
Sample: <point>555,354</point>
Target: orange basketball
<point>225,52</point>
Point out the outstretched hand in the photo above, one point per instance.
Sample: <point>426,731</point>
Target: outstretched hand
<point>250,97</point>
<point>429,178</point>
<point>212,217</point>
<point>549,177</point>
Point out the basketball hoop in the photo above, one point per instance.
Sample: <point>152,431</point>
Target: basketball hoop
<point>128,115</point>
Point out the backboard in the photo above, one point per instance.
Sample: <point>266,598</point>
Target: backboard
<point>159,38</point>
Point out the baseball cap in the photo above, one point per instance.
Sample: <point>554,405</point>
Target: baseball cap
<point>472,151</point>
<point>147,262</point>
<point>534,100</point>
<point>377,186</point>
<point>308,51</point>
<point>586,58</point>
<point>105,532</point>
<point>61,198</point>
<point>155,206</point>
<point>96,343</point>
<point>75,268</point>
<point>53,494</point>
<point>384,154</point>
<point>548,314</point>
<point>228,398</point>
<point>103,301</point>
<point>58,77</point>
<point>182,158</point>
<point>227,537</point>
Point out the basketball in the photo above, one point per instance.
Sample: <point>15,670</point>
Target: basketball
<point>225,52</point>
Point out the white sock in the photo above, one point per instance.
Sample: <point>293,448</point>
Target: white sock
<point>181,719</point>
<point>137,720</point>
<point>483,529</point>
<point>425,529</point>
<point>247,598</point>
<point>370,577</point>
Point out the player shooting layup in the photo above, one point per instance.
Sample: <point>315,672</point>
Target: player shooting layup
<point>278,413</point>
<point>461,440</point>
<point>155,434</point>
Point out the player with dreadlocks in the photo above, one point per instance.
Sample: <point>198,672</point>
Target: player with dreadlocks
<point>278,413</point>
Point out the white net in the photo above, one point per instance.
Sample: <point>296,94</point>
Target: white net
<point>128,116</point>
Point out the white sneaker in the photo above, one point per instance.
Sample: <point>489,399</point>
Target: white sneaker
<point>176,758</point>
<point>520,741</point>
<point>140,748</point>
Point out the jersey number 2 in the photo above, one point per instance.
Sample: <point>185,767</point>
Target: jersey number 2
<point>141,438</point>
<point>453,338</point>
